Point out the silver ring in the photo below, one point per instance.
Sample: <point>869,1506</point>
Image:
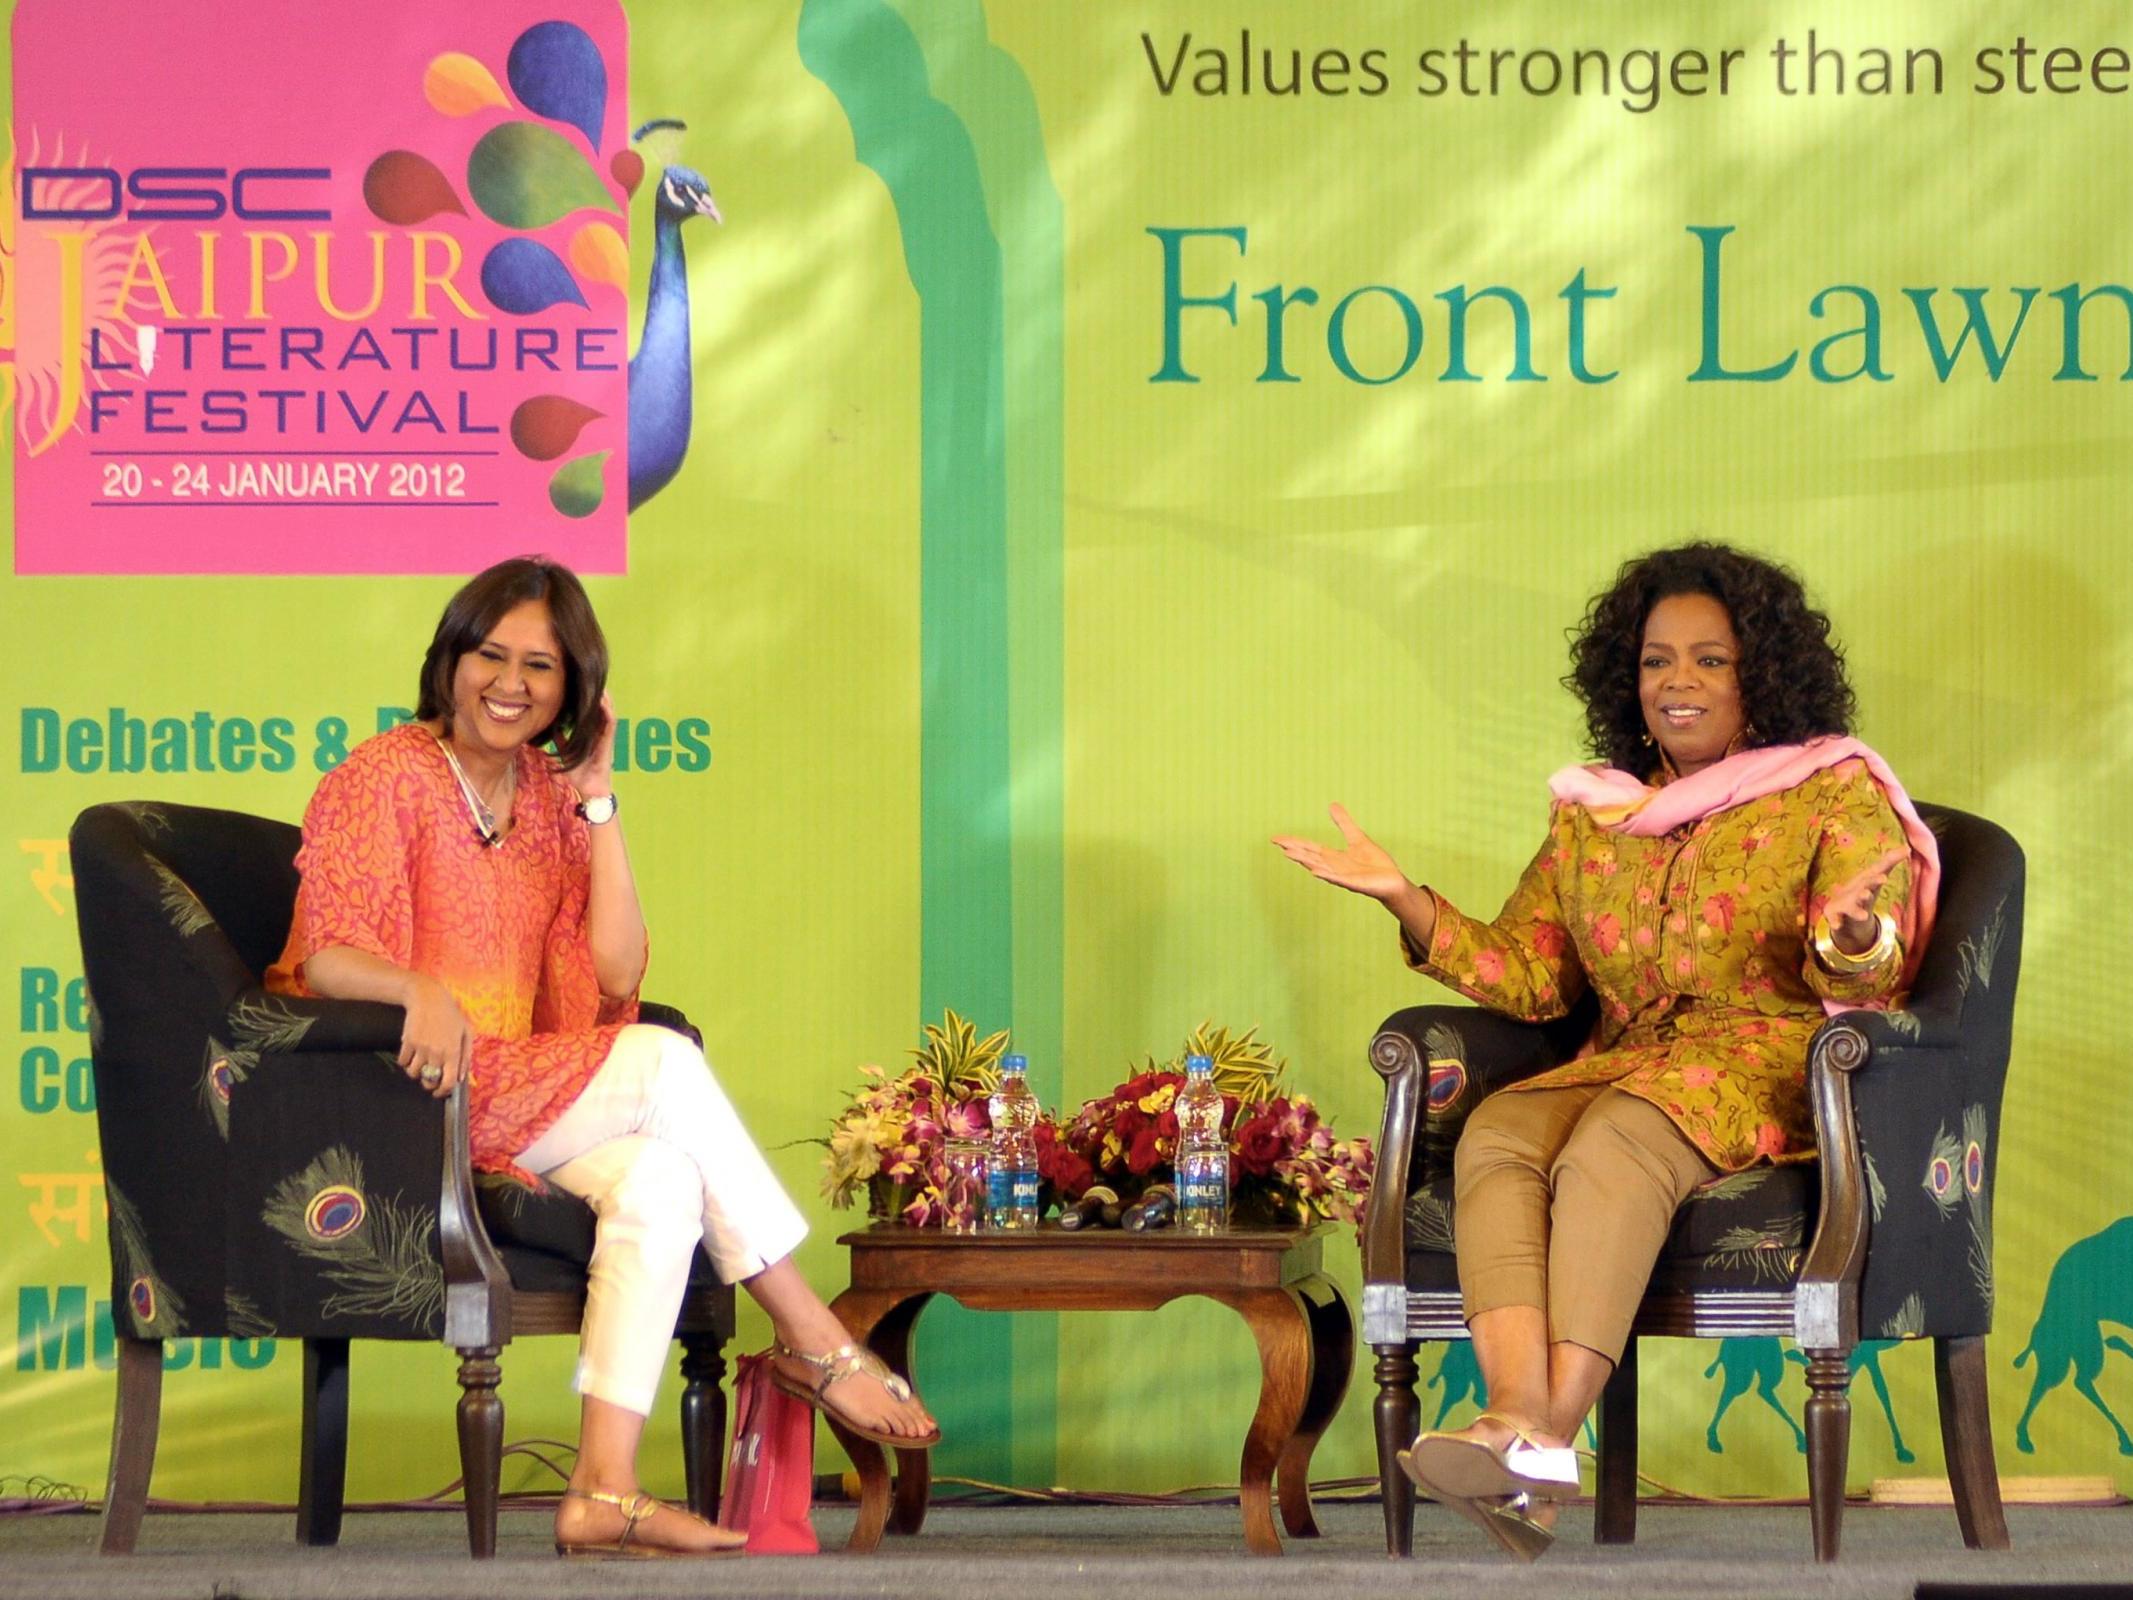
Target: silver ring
<point>432,1075</point>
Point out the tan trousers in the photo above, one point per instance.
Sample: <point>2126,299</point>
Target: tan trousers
<point>1562,1200</point>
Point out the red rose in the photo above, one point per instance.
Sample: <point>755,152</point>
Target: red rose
<point>1259,1146</point>
<point>1064,1170</point>
<point>1141,1154</point>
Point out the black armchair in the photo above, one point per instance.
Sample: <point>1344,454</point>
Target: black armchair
<point>1889,1233</point>
<point>272,1173</point>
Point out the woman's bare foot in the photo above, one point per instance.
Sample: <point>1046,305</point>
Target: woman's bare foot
<point>583,1521</point>
<point>1500,1433</point>
<point>857,1395</point>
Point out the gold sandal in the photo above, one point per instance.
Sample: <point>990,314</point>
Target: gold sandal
<point>1494,1488</point>
<point>1480,1471</point>
<point>635,1507</point>
<point>848,1361</point>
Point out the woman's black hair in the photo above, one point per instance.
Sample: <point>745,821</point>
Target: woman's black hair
<point>1792,681</point>
<point>476,609</point>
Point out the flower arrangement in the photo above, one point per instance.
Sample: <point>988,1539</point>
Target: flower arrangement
<point>1286,1166</point>
<point>891,1139</point>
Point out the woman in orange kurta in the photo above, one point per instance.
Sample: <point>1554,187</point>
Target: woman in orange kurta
<point>455,867</point>
<point>1764,870</point>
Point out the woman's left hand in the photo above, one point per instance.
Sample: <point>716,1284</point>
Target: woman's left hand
<point>595,775</point>
<point>1849,909</point>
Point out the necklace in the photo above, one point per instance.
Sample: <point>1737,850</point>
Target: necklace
<point>480,807</point>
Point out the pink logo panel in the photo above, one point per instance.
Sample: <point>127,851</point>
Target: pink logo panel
<point>316,289</point>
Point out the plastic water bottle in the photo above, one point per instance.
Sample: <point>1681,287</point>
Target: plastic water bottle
<point>1203,1153</point>
<point>1012,1176</point>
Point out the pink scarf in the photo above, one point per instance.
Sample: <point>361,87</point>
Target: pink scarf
<point>1621,803</point>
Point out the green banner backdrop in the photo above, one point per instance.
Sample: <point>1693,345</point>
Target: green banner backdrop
<point>1120,431</point>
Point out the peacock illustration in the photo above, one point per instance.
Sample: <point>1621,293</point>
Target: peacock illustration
<point>660,370</point>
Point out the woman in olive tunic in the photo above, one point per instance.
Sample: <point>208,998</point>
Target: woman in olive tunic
<point>1766,870</point>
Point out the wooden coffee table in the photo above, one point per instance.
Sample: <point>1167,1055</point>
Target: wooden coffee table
<point>1270,1277</point>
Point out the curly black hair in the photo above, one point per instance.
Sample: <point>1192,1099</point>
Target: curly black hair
<point>1792,681</point>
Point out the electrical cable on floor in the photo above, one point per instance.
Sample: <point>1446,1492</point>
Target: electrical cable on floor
<point>38,1496</point>
<point>33,1495</point>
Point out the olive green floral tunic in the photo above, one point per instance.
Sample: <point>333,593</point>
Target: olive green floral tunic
<point>1695,944</point>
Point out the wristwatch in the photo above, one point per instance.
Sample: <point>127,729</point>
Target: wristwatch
<point>600,808</point>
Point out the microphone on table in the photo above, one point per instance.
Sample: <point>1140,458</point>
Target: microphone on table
<point>1090,1210</point>
<point>1156,1208</point>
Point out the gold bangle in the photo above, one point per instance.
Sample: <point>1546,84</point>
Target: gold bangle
<point>1842,962</point>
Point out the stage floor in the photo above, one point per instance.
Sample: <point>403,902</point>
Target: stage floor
<point>1082,1553</point>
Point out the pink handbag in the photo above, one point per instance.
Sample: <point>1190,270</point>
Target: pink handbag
<point>770,1478</point>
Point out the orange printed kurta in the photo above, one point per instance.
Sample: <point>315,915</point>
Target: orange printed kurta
<point>392,865</point>
<point>1695,944</point>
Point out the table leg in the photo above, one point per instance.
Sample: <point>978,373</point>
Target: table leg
<point>882,1321</point>
<point>1332,1359</point>
<point>1282,1328</point>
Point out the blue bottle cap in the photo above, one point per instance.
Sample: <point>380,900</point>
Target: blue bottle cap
<point>1195,1065</point>
<point>1016,1063</point>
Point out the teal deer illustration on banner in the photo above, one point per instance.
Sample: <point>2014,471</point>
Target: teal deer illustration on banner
<point>1459,1376</point>
<point>1746,1364</point>
<point>1760,1364</point>
<point>2091,1284</point>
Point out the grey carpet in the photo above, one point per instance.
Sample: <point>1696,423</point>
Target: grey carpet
<point>1080,1553</point>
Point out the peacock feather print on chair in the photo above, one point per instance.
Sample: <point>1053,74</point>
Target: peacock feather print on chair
<point>1770,1253</point>
<point>1955,1182</point>
<point>262,1023</point>
<point>378,1256</point>
<point>245,1318</point>
<point>1733,1186</point>
<point>155,1307</point>
<point>1429,1222</point>
<point>258,1024</point>
<point>221,1071</point>
<point>1976,1129</point>
<point>1943,1178</point>
<point>1908,1320</point>
<point>184,909</point>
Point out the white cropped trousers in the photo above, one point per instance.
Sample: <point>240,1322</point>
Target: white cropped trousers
<point>656,1149</point>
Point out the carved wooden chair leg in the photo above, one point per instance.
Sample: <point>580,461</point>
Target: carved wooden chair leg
<point>1397,1413</point>
<point>481,1444</point>
<point>1966,1440</point>
<point>1615,1509</point>
<point>703,1420</point>
<point>133,1441</point>
<point>1829,1444</point>
<point>323,1476</point>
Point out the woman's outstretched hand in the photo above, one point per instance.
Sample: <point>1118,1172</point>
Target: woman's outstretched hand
<point>1361,865</point>
<point>1849,907</point>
